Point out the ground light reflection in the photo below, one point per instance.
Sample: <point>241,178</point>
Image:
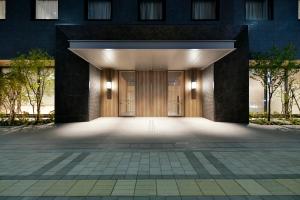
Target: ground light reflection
<point>151,127</point>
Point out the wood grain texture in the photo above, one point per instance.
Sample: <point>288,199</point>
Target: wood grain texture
<point>176,88</point>
<point>127,95</point>
<point>193,107</point>
<point>160,93</point>
<point>109,107</point>
<point>144,94</point>
<point>151,94</point>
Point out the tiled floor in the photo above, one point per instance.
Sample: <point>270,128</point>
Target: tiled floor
<point>207,161</point>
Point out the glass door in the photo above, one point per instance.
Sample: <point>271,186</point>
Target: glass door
<point>175,93</point>
<point>127,88</point>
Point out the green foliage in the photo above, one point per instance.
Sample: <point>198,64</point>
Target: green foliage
<point>36,76</point>
<point>273,68</point>
<point>28,80</point>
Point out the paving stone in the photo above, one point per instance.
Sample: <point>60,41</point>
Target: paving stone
<point>39,188</point>
<point>188,188</point>
<point>145,188</point>
<point>210,187</point>
<point>102,188</point>
<point>81,188</point>
<point>274,187</point>
<point>60,188</point>
<point>167,188</point>
<point>292,185</point>
<point>18,188</point>
<point>253,188</point>
<point>124,188</point>
<point>231,187</point>
<point>4,184</point>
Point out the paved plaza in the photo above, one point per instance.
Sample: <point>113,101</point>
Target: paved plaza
<point>150,158</point>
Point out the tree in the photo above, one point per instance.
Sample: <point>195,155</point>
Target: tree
<point>36,75</point>
<point>267,69</point>
<point>290,68</point>
<point>11,93</point>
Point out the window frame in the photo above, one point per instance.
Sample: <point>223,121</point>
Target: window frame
<point>86,7</point>
<point>270,4</point>
<point>5,11</point>
<point>150,20</point>
<point>298,10</point>
<point>217,10</point>
<point>34,3</point>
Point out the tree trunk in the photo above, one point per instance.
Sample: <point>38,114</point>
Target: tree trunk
<point>38,110</point>
<point>266,96</point>
<point>269,106</point>
<point>286,95</point>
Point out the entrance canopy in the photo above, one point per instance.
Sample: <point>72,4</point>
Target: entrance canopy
<point>145,55</point>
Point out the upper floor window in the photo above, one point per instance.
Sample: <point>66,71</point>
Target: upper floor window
<point>99,9</point>
<point>2,9</point>
<point>204,10</point>
<point>151,9</point>
<point>46,9</point>
<point>298,9</point>
<point>258,9</point>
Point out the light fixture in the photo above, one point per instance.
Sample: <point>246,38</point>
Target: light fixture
<point>108,85</point>
<point>194,85</point>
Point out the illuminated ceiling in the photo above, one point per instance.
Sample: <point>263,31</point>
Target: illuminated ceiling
<point>140,55</point>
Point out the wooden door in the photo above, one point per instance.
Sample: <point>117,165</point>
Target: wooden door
<point>127,93</point>
<point>160,93</point>
<point>176,93</point>
<point>151,98</point>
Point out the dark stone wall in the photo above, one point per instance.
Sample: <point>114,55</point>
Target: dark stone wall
<point>231,83</point>
<point>94,93</point>
<point>20,32</point>
<point>71,84</point>
<point>208,102</point>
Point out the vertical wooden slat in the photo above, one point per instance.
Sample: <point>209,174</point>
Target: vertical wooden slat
<point>151,93</point>
<point>193,107</point>
<point>160,92</point>
<point>109,107</point>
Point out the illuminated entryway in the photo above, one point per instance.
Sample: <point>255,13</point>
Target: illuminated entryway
<point>151,79</point>
<point>191,71</point>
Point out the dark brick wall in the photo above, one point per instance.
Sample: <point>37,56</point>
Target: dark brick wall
<point>71,84</point>
<point>231,85</point>
<point>208,102</point>
<point>19,32</point>
<point>94,93</point>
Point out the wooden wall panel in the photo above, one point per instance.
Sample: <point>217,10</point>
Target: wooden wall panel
<point>193,107</point>
<point>109,107</point>
<point>160,93</point>
<point>143,94</point>
<point>151,94</point>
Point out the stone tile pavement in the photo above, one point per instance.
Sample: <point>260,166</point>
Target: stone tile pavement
<point>213,163</point>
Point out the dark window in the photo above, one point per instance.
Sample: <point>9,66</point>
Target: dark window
<point>151,9</point>
<point>2,9</point>
<point>205,9</point>
<point>99,9</point>
<point>298,9</point>
<point>46,9</point>
<point>258,9</point>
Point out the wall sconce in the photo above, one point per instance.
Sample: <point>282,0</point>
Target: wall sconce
<point>194,84</point>
<point>109,85</point>
<point>108,89</point>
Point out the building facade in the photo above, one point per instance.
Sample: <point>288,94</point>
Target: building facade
<point>172,57</point>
